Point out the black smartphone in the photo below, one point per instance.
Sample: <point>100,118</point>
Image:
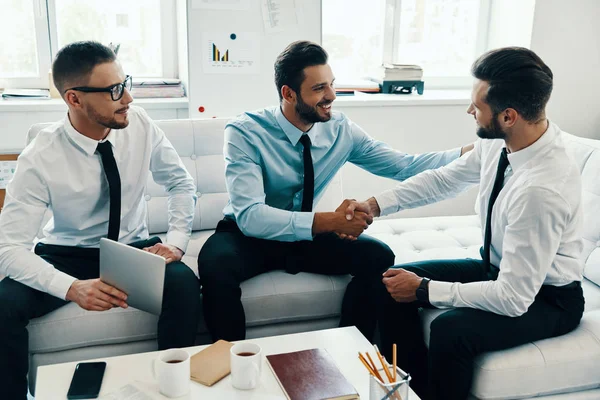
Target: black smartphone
<point>87,380</point>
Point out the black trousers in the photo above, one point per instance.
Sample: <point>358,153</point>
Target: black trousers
<point>445,371</point>
<point>229,257</point>
<point>177,324</point>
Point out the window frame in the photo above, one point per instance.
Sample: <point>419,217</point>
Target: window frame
<point>47,44</point>
<point>391,38</point>
<point>42,42</point>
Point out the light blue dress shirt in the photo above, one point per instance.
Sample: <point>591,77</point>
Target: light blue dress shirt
<point>264,168</point>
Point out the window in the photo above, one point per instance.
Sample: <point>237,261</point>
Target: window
<point>23,53</point>
<point>145,31</point>
<point>353,36</point>
<point>444,37</point>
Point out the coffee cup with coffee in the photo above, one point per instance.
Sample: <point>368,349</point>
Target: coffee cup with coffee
<point>172,371</point>
<point>246,365</point>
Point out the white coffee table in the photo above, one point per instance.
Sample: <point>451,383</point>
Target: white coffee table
<point>342,343</point>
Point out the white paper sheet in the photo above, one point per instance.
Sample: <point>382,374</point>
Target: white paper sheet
<point>127,392</point>
<point>231,53</point>
<point>222,4</point>
<point>279,15</point>
<point>7,170</point>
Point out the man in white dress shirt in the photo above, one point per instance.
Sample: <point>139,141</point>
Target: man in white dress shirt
<point>528,285</point>
<point>90,169</point>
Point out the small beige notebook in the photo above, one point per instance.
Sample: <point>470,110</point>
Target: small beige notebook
<point>212,364</point>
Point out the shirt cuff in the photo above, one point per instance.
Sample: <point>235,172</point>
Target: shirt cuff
<point>388,204</point>
<point>60,284</point>
<point>303,225</point>
<point>440,294</point>
<point>178,239</point>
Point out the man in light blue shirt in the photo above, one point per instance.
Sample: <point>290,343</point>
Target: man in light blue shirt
<point>279,161</point>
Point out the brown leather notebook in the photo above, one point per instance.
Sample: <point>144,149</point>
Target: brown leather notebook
<point>212,364</point>
<point>310,375</point>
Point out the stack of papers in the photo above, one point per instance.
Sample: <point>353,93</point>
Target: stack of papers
<point>157,87</point>
<point>398,72</point>
<point>26,94</point>
<point>355,85</point>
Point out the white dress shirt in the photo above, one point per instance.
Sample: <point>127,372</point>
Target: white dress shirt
<point>60,170</point>
<point>536,220</point>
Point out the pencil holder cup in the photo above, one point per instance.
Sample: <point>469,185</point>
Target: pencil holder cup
<point>389,391</point>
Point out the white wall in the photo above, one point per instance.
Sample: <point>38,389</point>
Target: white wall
<point>16,117</point>
<point>566,35</point>
<point>411,129</point>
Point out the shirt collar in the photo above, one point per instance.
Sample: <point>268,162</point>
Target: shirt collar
<point>291,131</point>
<point>519,158</point>
<point>85,143</point>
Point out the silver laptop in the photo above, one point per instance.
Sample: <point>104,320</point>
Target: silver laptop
<point>141,275</point>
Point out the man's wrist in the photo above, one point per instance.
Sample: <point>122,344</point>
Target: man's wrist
<point>422,292</point>
<point>374,207</point>
<point>325,222</point>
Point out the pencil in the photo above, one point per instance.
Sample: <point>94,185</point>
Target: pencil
<point>385,369</point>
<point>394,360</point>
<point>367,366</point>
<point>373,366</point>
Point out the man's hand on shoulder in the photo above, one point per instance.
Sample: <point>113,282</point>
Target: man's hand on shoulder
<point>95,295</point>
<point>169,252</point>
<point>465,149</point>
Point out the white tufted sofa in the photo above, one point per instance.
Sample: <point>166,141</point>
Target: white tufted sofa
<point>278,303</point>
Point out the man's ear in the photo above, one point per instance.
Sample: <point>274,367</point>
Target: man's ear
<point>288,94</point>
<point>72,99</point>
<point>509,117</point>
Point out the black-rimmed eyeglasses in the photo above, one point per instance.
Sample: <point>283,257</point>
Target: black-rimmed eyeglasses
<point>116,91</point>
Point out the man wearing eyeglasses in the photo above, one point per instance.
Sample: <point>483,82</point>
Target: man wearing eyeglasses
<point>90,169</point>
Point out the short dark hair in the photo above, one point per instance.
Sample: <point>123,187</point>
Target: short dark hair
<point>517,78</point>
<point>290,64</point>
<point>74,63</point>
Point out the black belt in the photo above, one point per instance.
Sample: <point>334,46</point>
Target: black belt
<point>572,285</point>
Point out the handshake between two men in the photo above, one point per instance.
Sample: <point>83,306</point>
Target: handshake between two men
<point>349,220</point>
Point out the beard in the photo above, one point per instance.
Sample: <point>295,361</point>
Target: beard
<point>310,114</point>
<point>494,131</point>
<point>107,122</point>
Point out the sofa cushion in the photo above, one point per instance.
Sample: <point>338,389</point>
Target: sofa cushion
<point>586,154</point>
<point>557,365</point>
<point>271,298</point>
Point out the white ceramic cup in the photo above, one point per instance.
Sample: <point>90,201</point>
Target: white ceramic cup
<point>246,363</point>
<point>173,377</point>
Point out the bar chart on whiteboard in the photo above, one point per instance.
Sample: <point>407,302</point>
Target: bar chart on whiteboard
<point>231,52</point>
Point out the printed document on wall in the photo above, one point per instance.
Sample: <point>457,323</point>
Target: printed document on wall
<point>231,52</point>
<point>222,4</point>
<point>7,170</point>
<point>279,15</point>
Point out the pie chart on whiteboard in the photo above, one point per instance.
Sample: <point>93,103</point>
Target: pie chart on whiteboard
<point>231,53</point>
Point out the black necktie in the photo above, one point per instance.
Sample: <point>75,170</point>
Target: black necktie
<point>114,188</point>
<point>309,175</point>
<point>498,182</point>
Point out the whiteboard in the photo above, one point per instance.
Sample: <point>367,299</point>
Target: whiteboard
<point>251,45</point>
